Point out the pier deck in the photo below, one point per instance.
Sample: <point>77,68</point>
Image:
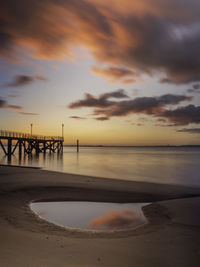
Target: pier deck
<point>29,143</point>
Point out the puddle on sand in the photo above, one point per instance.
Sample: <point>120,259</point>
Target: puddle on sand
<point>91,215</point>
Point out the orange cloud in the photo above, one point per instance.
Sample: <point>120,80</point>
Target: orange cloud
<point>147,35</point>
<point>117,74</point>
<point>14,107</point>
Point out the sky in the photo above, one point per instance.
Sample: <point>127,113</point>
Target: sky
<point>115,72</point>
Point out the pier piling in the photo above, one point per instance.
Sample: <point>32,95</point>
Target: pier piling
<point>77,145</point>
<point>30,143</point>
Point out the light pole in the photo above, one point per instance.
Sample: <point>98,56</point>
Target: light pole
<point>31,128</point>
<point>63,131</point>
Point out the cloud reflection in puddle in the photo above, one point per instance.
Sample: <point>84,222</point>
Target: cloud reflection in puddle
<point>117,219</point>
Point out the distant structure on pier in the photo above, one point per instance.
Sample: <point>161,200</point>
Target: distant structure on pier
<point>27,143</point>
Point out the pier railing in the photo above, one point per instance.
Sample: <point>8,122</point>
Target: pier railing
<point>7,134</point>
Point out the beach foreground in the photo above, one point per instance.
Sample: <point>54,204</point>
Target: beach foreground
<point>171,237</point>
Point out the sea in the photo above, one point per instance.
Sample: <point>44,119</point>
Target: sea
<point>166,165</point>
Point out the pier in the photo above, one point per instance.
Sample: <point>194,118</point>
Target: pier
<point>28,143</point>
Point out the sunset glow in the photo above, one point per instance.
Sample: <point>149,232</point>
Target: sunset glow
<point>114,72</point>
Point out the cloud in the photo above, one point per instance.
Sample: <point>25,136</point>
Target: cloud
<point>148,36</point>
<point>144,105</point>
<point>189,130</point>
<point>162,120</point>
<point>102,118</point>
<point>117,219</point>
<point>127,81</point>
<point>14,107</point>
<point>196,86</point>
<point>117,74</point>
<point>166,125</point>
<point>157,106</point>
<point>101,101</point>
<point>77,118</point>
<point>195,89</point>
<point>183,115</point>
<point>47,29</point>
<point>28,113</point>
<point>4,104</point>
<point>23,80</point>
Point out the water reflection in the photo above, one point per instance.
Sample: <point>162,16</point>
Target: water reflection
<point>55,160</point>
<point>92,215</point>
<point>161,165</point>
<point>118,219</point>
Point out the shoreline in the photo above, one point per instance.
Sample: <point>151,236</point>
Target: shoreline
<point>21,186</point>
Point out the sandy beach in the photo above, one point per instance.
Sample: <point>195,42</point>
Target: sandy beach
<point>170,238</point>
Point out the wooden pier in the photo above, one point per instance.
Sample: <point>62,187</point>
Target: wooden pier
<point>27,143</point>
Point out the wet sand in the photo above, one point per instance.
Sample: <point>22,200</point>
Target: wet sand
<point>170,238</point>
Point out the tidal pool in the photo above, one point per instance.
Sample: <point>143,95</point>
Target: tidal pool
<point>91,215</point>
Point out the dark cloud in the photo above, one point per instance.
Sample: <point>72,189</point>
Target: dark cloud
<point>101,101</point>
<point>189,130</point>
<point>196,86</point>
<point>102,118</point>
<point>77,117</point>
<point>183,115</point>
<point>115,94</point>
<point>29,113</point>
<point>170,99</point>
<point>4,104</point>
<point>157,106</point>
<point>145,105</point>
<point>23,80</point>
<point>148,37</point>
<point>195,89</point>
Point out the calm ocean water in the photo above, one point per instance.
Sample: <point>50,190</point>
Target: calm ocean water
<point>174,165</point>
